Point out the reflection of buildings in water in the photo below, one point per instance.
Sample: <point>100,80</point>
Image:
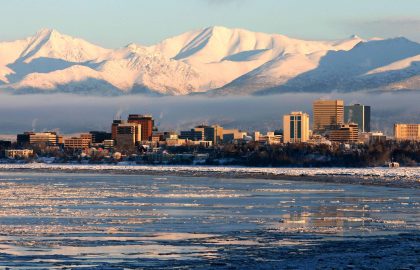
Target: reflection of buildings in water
<point>297,219</point>
<point>340,215</point>
<point>333,216</point>
<point>329,216</point>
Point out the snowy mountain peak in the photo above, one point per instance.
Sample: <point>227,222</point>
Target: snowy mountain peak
<point>46,32</point>
<point>214,58</point>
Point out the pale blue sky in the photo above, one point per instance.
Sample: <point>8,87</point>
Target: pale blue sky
<point>115,23</point>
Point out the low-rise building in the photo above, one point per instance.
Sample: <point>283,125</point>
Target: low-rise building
<point>175,142</point>
<point>372,137</point>
<point>231,135</point>
<point>201,143</point>
<point>109,144</point>
<point>318,139</point>
<point>269,138</point>
<point>5,144</point>
<point>408,132</point>
<point>195,134</point>
<point>37,138</point>
<point>100,136</point>
<point>82,142</point>
<point>18,153</point>
<point>347,133</point>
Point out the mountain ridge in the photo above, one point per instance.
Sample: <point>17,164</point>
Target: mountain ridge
<point>214,61</point>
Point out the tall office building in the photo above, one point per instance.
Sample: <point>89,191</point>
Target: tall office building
<point>359,114</point>
<point>218,131</point>
<point>114,127</point>
<point>147,123</point>
<point>327,114</point>
<point>295,127</point>
<point>409,132</point>
<point>128,135</point>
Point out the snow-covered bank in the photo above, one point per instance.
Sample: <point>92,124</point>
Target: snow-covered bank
<point>403,177</point>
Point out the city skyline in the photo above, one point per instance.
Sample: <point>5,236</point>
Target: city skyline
<point>56,112</point>
<point>327,115</point>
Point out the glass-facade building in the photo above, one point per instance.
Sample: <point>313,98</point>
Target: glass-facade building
<point>358,114</point>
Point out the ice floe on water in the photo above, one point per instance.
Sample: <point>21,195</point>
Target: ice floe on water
<point>379,175</point>
<point>53,219</point>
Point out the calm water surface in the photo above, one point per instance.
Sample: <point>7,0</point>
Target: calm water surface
<point>98,221</point>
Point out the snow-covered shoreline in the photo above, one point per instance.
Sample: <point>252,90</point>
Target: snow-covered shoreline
<point>399,177</point>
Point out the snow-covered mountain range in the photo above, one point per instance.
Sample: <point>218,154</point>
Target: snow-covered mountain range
<point>214,60</point>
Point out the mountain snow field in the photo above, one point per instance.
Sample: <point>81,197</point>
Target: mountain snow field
<point>215,60</point>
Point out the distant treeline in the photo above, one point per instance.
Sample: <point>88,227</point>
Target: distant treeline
<point>308,155</point>
<point>407,153</point>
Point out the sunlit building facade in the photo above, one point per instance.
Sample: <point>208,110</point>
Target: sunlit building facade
<point>295,127</point>
<point>409,132</point>
<point>327,114</point>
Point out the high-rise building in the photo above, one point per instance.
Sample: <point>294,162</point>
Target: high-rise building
<point>359,114</point>
<point>114,127</point>
<point>295,127</point>
<point>346,133</point>
<point>218,131</point>
<point>409,132</point>
<point>128,135</point>
<point>147,123</point>
<point>327,114</point>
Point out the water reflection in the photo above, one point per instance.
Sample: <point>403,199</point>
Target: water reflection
<point>140,221</point>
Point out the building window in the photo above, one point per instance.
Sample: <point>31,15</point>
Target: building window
<point>299,129</point>
<point>292,129</point>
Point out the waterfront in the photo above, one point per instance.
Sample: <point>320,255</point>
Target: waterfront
<point>92,220</point>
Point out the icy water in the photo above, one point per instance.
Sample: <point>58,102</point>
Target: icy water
<point>99,221</point>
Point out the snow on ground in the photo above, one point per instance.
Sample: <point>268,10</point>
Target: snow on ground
<point>408,177</point>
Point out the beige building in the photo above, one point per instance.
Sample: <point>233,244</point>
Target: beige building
<point>295,127</point>
<point>18,153</point>
<point>108,144</point>
<point>348,133</point>
<point>372,137</point>
<point>175,142</point>
<point>212,133</point>
<point>128,135</point>
<point>49,138</point>
<point>82,142</point>
<point>230,135</point>
<point>407,132</point>
<point>269,138</point>
<point>218,134</point>
<point>327,114</point>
